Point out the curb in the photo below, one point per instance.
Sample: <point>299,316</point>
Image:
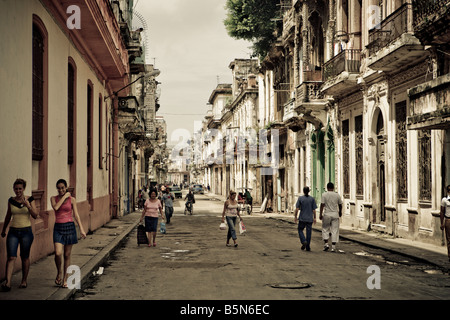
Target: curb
<point>94,263</point>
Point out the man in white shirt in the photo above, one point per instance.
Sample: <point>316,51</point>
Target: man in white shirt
<point>330,212</point>
<point>445,218</point>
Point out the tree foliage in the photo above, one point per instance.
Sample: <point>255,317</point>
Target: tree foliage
<point>252,20</point>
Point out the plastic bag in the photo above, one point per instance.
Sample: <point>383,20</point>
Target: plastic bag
<point>223,226</point>
<point>162,227</point>
<point>242,228</point>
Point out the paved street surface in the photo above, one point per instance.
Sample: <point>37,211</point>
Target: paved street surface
<point>191,262</point>
<point>191,269</point>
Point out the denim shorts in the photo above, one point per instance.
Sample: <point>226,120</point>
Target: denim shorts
<point>19,236</point>
<point>65,233</point>
<point>151,224</point>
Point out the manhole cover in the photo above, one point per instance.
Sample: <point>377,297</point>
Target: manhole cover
<point>295,285</point>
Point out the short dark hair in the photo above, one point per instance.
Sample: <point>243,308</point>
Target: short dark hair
<point>153,190</point>
<point>306,190</point>
<point>20,181</point>
<point>64,182</point>
<point>330,185</point>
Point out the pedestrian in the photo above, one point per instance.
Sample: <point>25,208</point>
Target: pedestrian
<point>445,218</point>
<point>167,200</point>
<point>20,233</point>
<point>64,231</point>
<point>152,210</point>
<point>249,199</point>
<point>269,195</point>
<point>231,212</point>
<point>145,195</point>
<point>307,206</point>
<point>330,213</point>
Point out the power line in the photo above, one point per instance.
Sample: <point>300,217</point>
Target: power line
<point>181,114</point>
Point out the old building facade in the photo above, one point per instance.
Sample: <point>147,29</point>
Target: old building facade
<point>68,78</point>
<point>357,92</point>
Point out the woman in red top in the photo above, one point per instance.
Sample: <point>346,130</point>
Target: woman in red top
<point>64,232</point>
<point>152,210</point>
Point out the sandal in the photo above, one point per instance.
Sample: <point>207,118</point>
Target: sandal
<point>5,288</point>
<point>23,286</point>
<point>58,282</point>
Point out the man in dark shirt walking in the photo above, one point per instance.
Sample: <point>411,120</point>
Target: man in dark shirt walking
<point>307,206</point>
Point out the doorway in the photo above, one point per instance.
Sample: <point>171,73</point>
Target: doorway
<point>381,172</point>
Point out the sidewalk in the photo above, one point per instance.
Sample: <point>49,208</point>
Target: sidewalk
<point>90,253</point>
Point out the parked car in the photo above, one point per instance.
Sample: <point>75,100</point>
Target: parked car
<point>198,188</point>
<point>176,192</point>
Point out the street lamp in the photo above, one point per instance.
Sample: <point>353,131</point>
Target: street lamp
<point>147,75</point>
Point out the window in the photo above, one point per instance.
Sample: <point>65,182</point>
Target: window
<point>70,113</point>
<point>38,93</point>
<point>346,157</point>
<point>424,137</point>
<point>89,125</point>
<point>401,150</point>
<point>359,155</point>
<point>100,133</point>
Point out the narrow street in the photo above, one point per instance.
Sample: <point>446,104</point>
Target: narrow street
<point>191,262</point>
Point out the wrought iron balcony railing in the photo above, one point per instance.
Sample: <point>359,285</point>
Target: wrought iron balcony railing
<point>391,28</point>
<point>348,60</point>
<point>425,9</point>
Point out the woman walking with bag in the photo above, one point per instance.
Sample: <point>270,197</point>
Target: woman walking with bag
<point>231,212</point>
<point>152,210</point>
<point>20,208</point>
<point>64,232</point>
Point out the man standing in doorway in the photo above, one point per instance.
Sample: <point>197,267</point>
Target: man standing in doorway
<point>307,206</point>
<point>445,218</point>
<point>330,213</point>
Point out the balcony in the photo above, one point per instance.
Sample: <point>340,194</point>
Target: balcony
<point>310,102</point>
<point>431,21</point>
<point>341,72</point>
<point>429,106</point>
<point>288,23</point>
<point>128,116</point>
<point>291,118</point>
<point>393,45</point>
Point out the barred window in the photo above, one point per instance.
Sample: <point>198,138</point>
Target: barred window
<point>424,165</point>
<point>359,155</point>
<point>401,150</point>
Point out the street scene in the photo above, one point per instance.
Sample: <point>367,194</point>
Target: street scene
<point>191,262</point>
<point>259,152</point>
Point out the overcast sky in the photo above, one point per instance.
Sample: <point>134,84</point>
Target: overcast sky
<point>192,50</point>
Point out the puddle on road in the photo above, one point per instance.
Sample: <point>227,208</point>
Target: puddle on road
<point>174,254</point>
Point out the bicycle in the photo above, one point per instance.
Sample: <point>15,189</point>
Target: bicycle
<point>188,207</point>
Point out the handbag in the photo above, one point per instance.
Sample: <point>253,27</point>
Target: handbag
<point>242,228</point>
<point>141,235</point>
<point>222,226</point>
